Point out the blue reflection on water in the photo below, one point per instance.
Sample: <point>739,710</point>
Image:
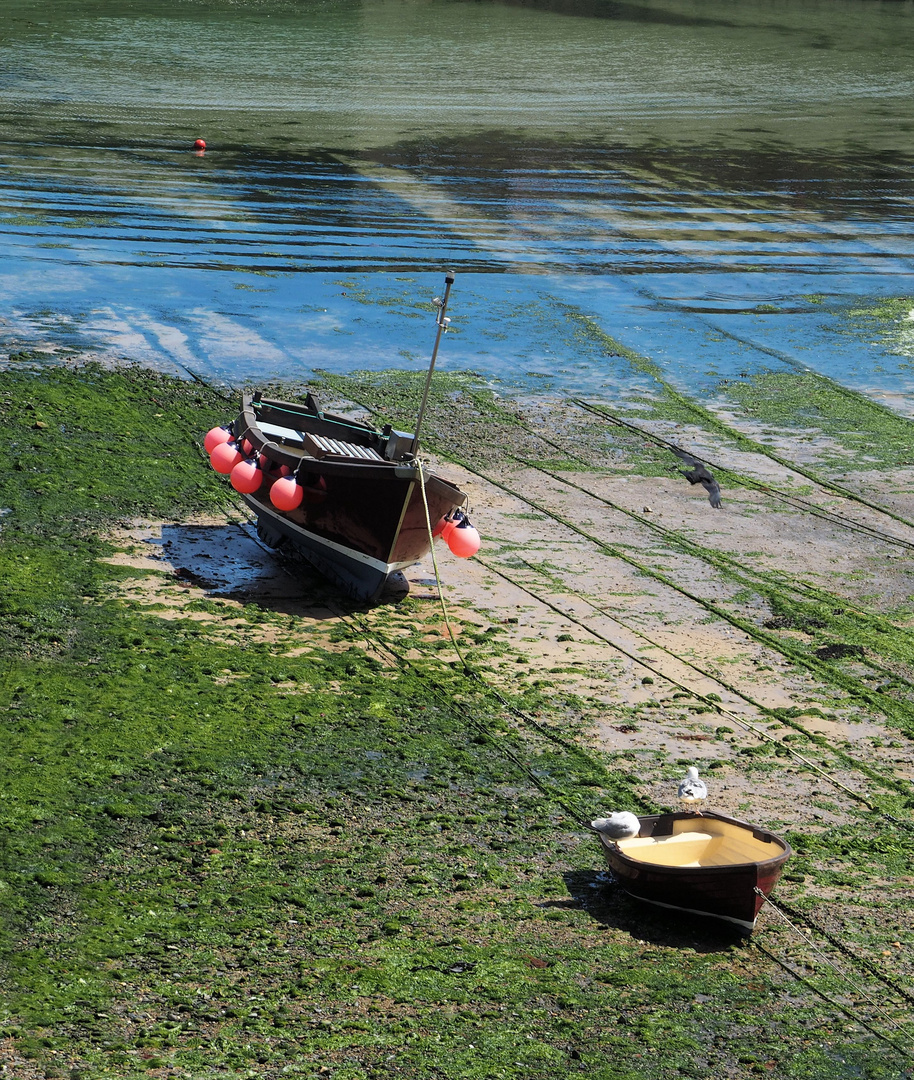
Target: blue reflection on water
<point>713,189</point>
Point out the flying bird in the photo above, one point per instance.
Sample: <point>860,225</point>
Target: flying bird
<point>698,474</point>
<point>617,826</point>
<point>692,791</point>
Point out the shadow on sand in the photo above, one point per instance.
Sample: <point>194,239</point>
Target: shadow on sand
<point>230,562</point>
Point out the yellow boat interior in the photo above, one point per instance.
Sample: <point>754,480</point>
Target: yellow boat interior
<point>697,841</point>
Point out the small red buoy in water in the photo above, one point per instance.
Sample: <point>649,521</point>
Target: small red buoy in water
<point>215,436</point>
<point>286,494</point>
<point>199,144</point>
<point>464,539</point>
<point>225,457</point>
<point>246,477</point>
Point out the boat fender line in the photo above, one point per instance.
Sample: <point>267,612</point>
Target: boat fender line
<point>244,434</point>
<point>270,443</point>
<point>467,670</point>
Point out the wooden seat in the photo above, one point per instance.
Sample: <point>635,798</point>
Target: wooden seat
<point>695,848</point>
<point>320,446</point>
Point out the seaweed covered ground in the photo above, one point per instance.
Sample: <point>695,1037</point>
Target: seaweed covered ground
<point>250,829</point>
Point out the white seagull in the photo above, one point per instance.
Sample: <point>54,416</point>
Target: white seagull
<point>692,791</point>
<point>617,826</point>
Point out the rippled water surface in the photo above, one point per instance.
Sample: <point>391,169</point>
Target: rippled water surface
<point>718,186</point>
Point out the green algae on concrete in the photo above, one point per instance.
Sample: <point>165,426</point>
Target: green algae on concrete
<point>866,435</point>
<point>890,320</point>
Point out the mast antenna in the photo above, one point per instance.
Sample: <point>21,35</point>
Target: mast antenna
<point>442,322</point>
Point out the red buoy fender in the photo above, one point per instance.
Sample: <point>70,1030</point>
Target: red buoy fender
<point>463,539</point>
<point>225,457</point>
<point>286,494</point>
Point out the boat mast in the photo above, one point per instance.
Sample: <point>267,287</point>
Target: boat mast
<point>442,323</point>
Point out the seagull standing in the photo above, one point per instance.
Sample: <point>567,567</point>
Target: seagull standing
<point>617,826</point>
<point>698,474</point>
<point>692,791</point>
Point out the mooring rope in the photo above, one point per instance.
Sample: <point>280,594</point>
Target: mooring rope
<point>721,560</point>
<point>745,724</point>
<point>765,451</point>
<point>812,664</point>
<point>782,908</point>
<point>857,989</point>
<point>471,673</point>
<point>440,590</point>
<point>718,707</point>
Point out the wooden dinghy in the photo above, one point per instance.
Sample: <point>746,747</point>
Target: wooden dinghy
<point>358,516</point>
<point>352,500</point>
<point>704,864</point>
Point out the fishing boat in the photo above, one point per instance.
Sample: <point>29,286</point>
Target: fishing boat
<point>353,500</point>
<point>704,864</point>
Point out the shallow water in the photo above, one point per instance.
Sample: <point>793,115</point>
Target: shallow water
<point>716,186</point>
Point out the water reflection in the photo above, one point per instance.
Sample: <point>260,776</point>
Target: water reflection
<point>707,181</point>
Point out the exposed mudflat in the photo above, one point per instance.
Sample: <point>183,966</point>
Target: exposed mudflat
<point>600,585</point>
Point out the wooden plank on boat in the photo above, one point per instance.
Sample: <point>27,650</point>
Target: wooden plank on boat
<point>321,446</point>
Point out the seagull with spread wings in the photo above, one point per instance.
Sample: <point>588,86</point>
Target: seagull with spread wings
<point>699,474</point>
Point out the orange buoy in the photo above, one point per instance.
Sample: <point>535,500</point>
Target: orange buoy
<point>439,528</point>
<point>246,477</point>
<point>225,457</point>
<point>450,524</point>
<point>247,448</point>
<point>463,539</point>
<point>215,436</point>
<point>286,494</point>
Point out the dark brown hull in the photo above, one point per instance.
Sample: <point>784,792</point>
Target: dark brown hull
<point>362,519</point>
<point>734,893</point>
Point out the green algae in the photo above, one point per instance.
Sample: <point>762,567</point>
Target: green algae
<point>866,435</point>
<point>889,321</point>
<point>224,857</point>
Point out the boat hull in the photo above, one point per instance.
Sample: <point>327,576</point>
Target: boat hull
<point>334,540</point>
<point>363,518</point>
<point>730,887</point>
